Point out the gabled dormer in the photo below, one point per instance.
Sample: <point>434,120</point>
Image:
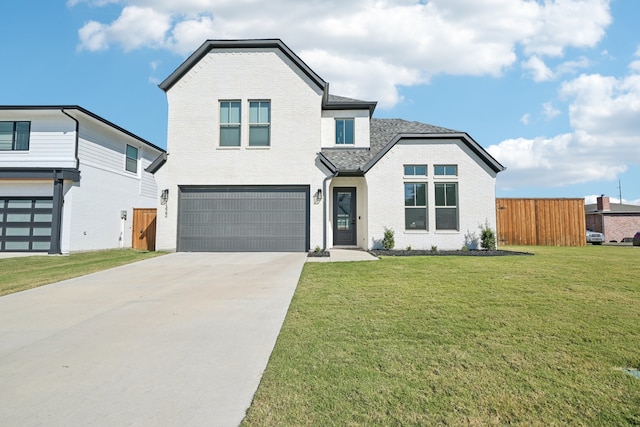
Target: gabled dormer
<point>345,122</point>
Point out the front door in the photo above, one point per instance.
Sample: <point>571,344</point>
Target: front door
<point>144,229</point>
<point>344,216</point>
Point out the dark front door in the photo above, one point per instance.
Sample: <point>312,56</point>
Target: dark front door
<point>344,216</point>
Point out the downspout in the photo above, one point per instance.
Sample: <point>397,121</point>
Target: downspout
<point>77,136</point>
<point>58,197</point>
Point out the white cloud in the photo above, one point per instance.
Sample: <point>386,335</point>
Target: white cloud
<point>603,114</point>
<point>549,111</point>
<point>540,72</point>
<point>398,42</point>
<point>525,119</point>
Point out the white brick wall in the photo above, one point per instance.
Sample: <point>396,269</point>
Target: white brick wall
<point>195,157</point>
<point>385,183</point>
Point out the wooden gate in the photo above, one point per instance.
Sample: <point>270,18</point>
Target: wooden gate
<point>144,229</point>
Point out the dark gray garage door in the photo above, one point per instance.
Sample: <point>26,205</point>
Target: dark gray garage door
<point>25,224</point>
<point>243,219</point>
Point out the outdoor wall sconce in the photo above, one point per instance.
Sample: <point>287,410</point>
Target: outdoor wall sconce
<point>164,196</point>
<point>319,194</point>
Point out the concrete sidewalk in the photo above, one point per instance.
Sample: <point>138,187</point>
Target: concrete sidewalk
<point>344,255</point>
<point>181,339</point>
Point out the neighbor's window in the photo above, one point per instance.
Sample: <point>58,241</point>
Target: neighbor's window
<point>446,205</point>
<point>259,123</point>
<point>415,206</point>
<point>415,170</point>
<point>229,123</point>
<point>132,159</point>
<point>344,131</point>
<point>445,170</point>
<point>14,136</point>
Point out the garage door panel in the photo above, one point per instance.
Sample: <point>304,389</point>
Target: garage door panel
<point>25,224</point>
<point>237,219</point>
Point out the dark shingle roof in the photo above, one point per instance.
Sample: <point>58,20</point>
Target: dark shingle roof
<point>383,135</point>
<point>614,208</point>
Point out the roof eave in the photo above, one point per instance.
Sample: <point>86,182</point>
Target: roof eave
<point>371,106</point>
<point>83,111</point>
<point>208,45</point>
<point>473,145</point>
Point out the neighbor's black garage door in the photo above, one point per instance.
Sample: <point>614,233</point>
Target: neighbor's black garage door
<point>25,224</point>
<point>243,219</point>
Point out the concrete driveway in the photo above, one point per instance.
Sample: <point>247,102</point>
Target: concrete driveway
<point>180,339</point>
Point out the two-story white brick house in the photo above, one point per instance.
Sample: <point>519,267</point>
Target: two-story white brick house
<point>69,180</point>
<point>261,157</point>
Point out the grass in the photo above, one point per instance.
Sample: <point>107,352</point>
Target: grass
<point>19,274</point>
<point>526,340</point>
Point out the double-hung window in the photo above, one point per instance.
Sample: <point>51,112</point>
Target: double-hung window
<point>229,123</point>
<point>259,123</point>
<point>415,206</point>
<point>14,136</point>
<point>131,162</point>
<point>344,131</point>
<point>446,205</point>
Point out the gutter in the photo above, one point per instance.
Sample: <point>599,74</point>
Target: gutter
<point>77,136</point>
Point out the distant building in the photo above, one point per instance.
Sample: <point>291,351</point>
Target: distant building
<point>616,220</point>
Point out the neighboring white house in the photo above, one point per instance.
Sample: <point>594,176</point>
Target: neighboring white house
<point>69,180</point>
<point>262,158</point>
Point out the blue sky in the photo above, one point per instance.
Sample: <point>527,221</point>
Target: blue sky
<point>550,88</point>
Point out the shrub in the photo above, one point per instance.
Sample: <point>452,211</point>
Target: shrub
<point>434,248</point>
<point>487,237</point>
<point>388,241</point>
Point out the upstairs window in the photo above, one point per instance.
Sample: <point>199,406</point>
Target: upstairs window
<point>14,136</point>
<point>259,123</point>
<point>229,123</point>
<point>415,170</point>
<point>131,163</point>
<point>344,131</point>
<point>445,170</point>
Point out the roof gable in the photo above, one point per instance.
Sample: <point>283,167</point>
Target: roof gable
<point>209,45</point>
<point>385,134</point>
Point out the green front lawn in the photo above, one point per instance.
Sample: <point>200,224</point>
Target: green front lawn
<point>19,274</point>
<point>533,340</point>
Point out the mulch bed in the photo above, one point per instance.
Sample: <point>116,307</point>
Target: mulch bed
<point>497,252</point>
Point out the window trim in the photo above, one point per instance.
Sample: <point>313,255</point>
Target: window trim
<point>259,123</point>
<point>446,206</point>
<point>344,138</point>
<point>414,174</point>
<point>230,125</point>
<point>127,158</point>
<point>15,135</point>
<point>415,207</point>
<point>444,170</point>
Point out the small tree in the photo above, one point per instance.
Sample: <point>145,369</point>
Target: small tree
<point>487,237</point>
<point>388,241</point>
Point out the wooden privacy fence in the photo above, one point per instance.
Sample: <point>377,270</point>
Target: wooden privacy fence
<point>541,222</point>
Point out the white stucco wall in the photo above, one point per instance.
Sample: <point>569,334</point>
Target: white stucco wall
<point>195,157</point>
<point>385,182</point>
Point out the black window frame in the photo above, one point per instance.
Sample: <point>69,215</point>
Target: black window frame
<point>442,205</point>
<point>412,206</point>
<point>16,133</point>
